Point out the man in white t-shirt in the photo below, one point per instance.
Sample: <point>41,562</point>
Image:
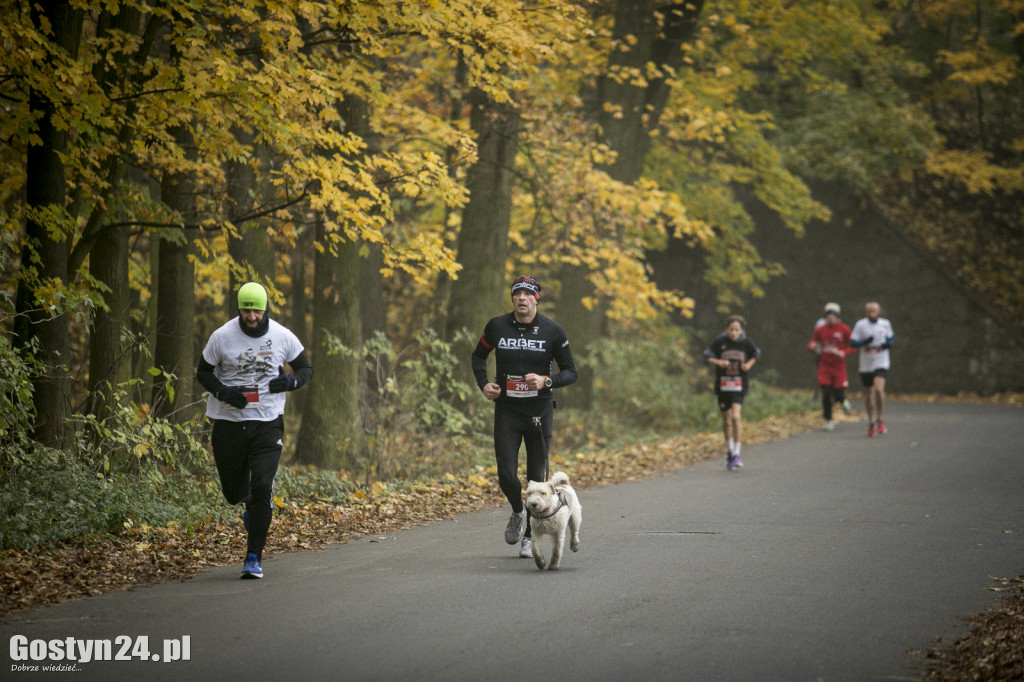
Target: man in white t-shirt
<point>874,336</point>
<point>243,369</point>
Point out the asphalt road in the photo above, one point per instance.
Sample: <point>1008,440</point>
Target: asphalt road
<point>829,557</point>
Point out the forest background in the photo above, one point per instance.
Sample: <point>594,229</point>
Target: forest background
<point>386,168</point>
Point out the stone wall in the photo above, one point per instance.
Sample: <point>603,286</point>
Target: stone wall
<point>947,340</point>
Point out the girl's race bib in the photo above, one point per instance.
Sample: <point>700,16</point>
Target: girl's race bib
<point>730,384</point>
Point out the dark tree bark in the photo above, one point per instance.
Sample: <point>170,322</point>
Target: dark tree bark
<point>481,292</point>
<point>109,354</point>
<point>331,431</point>
<point>251,250</point>
<point>331,435</point>
<point>660,31</point>
<point>298,311</point>
<point>45,254</point>
<point>175,317</point>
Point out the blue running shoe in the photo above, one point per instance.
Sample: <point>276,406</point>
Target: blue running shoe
<point>252,568</point>
<point>730,461</point>
<point>737,463</point>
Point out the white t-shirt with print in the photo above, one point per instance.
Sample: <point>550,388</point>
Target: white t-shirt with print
<point>876,333</point>
<point>246,362</point>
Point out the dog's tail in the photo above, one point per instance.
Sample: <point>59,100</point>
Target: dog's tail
<point>559,478</point>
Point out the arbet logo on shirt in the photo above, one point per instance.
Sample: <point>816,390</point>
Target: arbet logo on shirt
<point>522,344</point>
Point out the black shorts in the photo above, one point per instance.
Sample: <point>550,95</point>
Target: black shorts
<point>867,379</point>
<point>727,399</point>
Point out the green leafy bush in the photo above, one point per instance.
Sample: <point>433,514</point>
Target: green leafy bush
<point>766,401</point>
<point>299,483</point>
<point>128,436</point>
<point>649,380</point>
<point>17,413</point>
<point>128,468</point>
<point>51,496</point>
<point>418,419</point>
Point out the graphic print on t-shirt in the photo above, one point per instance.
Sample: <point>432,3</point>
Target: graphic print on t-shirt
<point>253,365</point>
<point>732,378</point>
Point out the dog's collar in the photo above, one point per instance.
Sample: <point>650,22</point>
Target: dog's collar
<point>545,514</point>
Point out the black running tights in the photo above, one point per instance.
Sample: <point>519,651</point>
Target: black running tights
<point>512,428</point>
<point>247,455</point>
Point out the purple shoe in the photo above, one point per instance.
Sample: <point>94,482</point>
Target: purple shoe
<point>730,461</point>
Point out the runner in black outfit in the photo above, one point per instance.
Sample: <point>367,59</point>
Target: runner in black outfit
<point>525,343</point>
<point>732,354</point>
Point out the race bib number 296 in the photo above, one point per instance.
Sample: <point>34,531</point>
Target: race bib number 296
<point>516,387</point>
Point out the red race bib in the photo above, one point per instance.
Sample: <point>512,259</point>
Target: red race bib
<point>730,384</point>
<point>251,393</point>
<point>516,387</point>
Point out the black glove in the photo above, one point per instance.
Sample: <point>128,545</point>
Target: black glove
<point>283,382</point>
<point>232,396</point>
<point>885,346</point>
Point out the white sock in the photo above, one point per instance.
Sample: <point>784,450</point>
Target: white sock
<point>737,450</point>
<point>732,446</point>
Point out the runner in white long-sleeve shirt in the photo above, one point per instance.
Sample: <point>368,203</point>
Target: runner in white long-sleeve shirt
<point>874,336</point>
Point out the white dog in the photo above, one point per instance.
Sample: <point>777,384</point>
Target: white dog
<point>554,507</point>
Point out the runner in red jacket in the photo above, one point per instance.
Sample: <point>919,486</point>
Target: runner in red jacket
<point>831,341</point>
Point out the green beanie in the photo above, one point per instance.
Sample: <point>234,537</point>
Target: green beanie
<point>252,296</point>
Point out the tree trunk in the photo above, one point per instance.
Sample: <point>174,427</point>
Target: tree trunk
<point>373,308</point>
<point>331,432</point>
<point>109,355</point>
<point>44,257</point>
<point>298,310</point>
<point>298,300</point>
<point>175,316</point>
<point>110,363</point>
<point>660,31</point>
<point>332,428</point>
<point>251,250</point>
<point>373,314</point>
<point>481,291</point>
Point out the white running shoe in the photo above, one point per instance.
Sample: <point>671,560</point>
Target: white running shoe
<point>526,549</point>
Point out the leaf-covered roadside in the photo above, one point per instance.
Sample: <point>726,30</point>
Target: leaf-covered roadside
<point>994,647</point>
<point>144,555</point>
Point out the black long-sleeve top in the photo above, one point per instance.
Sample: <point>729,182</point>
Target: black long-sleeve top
<point>521,349</point>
